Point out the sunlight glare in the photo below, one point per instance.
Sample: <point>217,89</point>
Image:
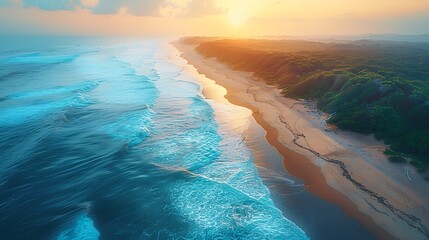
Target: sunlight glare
<point>237,20</point>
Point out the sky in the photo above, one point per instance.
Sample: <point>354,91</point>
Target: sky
<point>213,17</point>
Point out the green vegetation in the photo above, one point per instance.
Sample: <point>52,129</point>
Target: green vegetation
<point>397,159</point>
<point>374,87</point>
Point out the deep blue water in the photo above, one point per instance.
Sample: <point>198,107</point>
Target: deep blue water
<point>112,140</point>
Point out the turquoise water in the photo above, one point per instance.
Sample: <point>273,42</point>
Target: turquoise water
<point>113,140</point>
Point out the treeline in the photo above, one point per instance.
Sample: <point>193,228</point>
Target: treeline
<point>374,87</point>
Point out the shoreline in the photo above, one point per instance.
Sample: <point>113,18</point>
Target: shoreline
<point>264,152</point>
<point>213,91</point>
<point>308,160</point>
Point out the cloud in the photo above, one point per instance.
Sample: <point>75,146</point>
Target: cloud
<point>49,5</point>
<point>52,5</point>
<point>89,3</point>
<point>7,3</point>
<point>134,7</point>
<point>187,8</point>
<point>202,7</point>
<point>174,8</point>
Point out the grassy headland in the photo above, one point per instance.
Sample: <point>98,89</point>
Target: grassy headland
<point>373,87</point>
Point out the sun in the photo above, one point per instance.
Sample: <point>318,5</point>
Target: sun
<point>237,20</point>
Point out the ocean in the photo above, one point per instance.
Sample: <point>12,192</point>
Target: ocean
<point>113,139</point>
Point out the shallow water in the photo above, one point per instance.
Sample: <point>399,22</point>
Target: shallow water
<point>110,139</point>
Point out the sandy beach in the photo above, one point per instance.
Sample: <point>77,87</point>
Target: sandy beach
<point>347,169</point>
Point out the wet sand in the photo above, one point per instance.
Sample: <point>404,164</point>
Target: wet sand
<point>310,153</point>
